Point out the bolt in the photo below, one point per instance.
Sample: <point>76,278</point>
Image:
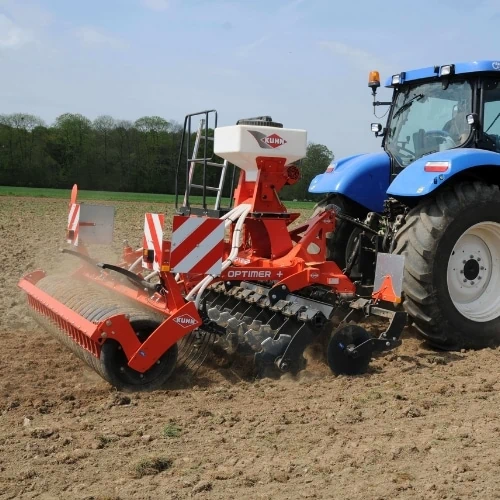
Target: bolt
<point>472,256</point>
<point>471,282</point>
<point>283,287</point>
<point>479,259</point>
<point>122,369</point>
<point>113,333</point>
<point>119,347</point>
<point>104,335</point>
<point>273,296</point>
<point>465,281</point>
<point>108,323</point>
<point>158,362</point>
<point>479,277</point>
<point>482,268</point>
<point>461,271</point>
<point>388,344</point>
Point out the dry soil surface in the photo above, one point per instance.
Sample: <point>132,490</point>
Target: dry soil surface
<point>421,424</point>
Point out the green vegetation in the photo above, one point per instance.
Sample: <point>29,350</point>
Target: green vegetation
<point>114,196</point>
<point>114,155</point>
<point>171,430</point>
<point>151,466</point>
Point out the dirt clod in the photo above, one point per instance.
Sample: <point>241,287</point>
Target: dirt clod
<point>202,486</point>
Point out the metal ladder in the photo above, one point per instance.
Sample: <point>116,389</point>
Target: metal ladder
<point>205,161</point>
<point>194,160</point>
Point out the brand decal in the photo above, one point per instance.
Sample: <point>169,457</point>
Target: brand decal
<point>248,274</point>
<point>496,65</point>
<point>272,141</point>
<point>314,276</point>
<point>185,321</point>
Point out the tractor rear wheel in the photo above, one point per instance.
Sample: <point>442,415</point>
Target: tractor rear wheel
<point>341,242</point>
<point>452,269</point>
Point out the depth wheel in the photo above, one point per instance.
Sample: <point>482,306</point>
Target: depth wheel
<point>340,361</point>
<point>118,373</point>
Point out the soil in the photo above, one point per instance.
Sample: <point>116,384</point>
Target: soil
<point>420,424</point>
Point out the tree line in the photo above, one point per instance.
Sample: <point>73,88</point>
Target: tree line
<point>111,155</point>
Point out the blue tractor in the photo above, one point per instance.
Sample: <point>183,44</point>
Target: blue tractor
<point>433,192</point>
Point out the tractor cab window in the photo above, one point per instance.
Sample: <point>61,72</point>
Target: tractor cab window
<point>427,118</point>
<point>491,125</point>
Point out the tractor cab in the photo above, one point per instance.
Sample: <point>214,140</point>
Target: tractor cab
<point>440,108</point>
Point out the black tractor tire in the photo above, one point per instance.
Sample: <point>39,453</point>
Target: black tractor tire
<point>342,239</point>
<point>428,240</point>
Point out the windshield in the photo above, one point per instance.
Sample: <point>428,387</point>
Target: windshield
<point>428,118</point>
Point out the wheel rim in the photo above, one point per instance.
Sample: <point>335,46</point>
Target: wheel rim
<point>473,274</point>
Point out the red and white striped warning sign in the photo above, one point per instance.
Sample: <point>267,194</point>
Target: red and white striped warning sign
<point>153,241</point>
<point>73,224</point>
<point>197,245</point>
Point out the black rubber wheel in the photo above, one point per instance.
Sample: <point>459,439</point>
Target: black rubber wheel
<point>339,361</point>
<point>118,373</point>
<point>341,242</point>
<point>448,241</point>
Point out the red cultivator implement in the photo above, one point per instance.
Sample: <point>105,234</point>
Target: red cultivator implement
<point>242,279</point>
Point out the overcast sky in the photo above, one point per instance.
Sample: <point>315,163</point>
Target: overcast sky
<point>304,62</point>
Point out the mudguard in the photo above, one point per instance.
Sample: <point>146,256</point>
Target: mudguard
<point>362,178</point>
<point>415,181</point>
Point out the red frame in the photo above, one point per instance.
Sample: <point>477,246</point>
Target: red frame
<point>271,252</point>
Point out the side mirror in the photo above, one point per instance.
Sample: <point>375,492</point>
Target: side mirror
<point>377,129</point>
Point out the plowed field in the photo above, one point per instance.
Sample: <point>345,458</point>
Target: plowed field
<point>420,425</point>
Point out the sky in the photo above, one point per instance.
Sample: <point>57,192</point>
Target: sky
<point>304,62</point>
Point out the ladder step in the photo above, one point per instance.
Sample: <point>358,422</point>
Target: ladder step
<point>208,188</point>
<point>199,161</point>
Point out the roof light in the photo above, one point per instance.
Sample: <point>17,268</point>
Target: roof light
<point>376,128</point>
<point>437,166</point>
<point>374,80</point>
<point>396,79</point>
<point>447,70</point>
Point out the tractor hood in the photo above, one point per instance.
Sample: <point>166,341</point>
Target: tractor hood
<point>430,172</point>
<point>363,178</point>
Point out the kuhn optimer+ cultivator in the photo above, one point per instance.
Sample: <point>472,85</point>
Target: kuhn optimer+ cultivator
<point>236,280</point>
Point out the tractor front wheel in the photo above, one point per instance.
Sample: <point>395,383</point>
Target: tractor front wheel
<point>341,242</point>
<point>452,269</point>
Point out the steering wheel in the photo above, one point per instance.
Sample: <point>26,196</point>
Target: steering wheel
<point>442,134</point>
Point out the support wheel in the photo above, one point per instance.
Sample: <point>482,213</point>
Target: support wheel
<point>343,359</point>
<point>119,374</point>
<point>451,244</point>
